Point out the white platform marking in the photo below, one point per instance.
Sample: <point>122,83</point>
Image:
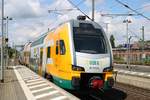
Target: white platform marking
<point>121,70</point>
<point>126,72</point>
<point>141,74</point>
<point>32,77</point>
<point>34,80</point>
<point>37,82</point>
<point>39,90</point>
<point>133,73</point>
<point>39,85</point>
<point>46,94</point>
<point>59,98</point>
<point>148,75</point>
<point>30,83</point>
<point>26,90</point>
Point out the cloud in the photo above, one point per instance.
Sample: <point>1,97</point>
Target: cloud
<point>31,19</point>
<point>60,4</point>
<point>146,7</point>
<point>24,8</point>
<point>64,14</point>
<point>28,29</point>
<point>118,28</point>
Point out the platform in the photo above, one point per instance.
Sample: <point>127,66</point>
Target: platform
<point>11,89</point>
<point>133,73</point>
<point>23,84</point>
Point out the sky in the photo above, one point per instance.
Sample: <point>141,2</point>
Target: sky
<point>31,18</point>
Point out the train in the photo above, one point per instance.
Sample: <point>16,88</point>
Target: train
<point>25,54</point>
<point>75,55</point>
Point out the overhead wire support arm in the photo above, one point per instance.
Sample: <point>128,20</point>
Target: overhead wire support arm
<point>61,10</point>
<point>125,5</point>
<point>58,11</point>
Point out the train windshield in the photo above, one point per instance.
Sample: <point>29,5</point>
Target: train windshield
<point>89,40</point>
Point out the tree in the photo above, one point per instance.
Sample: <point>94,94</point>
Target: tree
<point>120,46</point>
<point>11,52</point>
<point>112,41</point>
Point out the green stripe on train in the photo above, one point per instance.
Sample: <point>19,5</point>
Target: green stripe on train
<point>62,83</point>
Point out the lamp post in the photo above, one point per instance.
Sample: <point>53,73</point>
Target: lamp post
<point>107,31</point>
<point>129,52</point>
<point>7,20</point>
<point>127,21</point>
<point>2,42</point>
<point>93,9</point>
<point>6,38</point>
<point>143,45</point>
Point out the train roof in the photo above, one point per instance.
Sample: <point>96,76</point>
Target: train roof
<point>26,47</point>
<point>75,23</point>
<point>39,40</point>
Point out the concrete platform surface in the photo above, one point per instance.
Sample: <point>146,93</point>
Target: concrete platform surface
<point>11,89</point>
<point>133,73</point>
<point>23,84</point>
<point>132,80</point>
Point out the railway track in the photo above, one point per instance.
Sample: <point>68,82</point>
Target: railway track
<point>119,92</point>
<point>134,92</point>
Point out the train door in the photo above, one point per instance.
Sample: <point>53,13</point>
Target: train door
<point>62,58</point>
<point>44,61</point>
<point>60,51</point>
<point>41,60</point>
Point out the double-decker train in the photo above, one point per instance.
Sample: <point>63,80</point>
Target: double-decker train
<point>75,55</point>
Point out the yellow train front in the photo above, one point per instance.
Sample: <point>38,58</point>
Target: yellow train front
<point>77,55</point>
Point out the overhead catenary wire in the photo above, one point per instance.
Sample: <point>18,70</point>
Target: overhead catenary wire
<point>79,9</point>
<point>135,35</point>
<point>145,6</point>
<point>57,11</point>
<point>148,5</point>
<point>125,5</point>
<point>119,14</point>
<point>80,2</point>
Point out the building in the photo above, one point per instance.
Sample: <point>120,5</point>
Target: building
<point>136,56</point>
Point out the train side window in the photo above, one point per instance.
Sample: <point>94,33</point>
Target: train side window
<point>62,47</point>
<point>57,44</point>
<point>48,52</point>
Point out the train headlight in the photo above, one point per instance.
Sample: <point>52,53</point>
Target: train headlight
<point>77,68</point>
